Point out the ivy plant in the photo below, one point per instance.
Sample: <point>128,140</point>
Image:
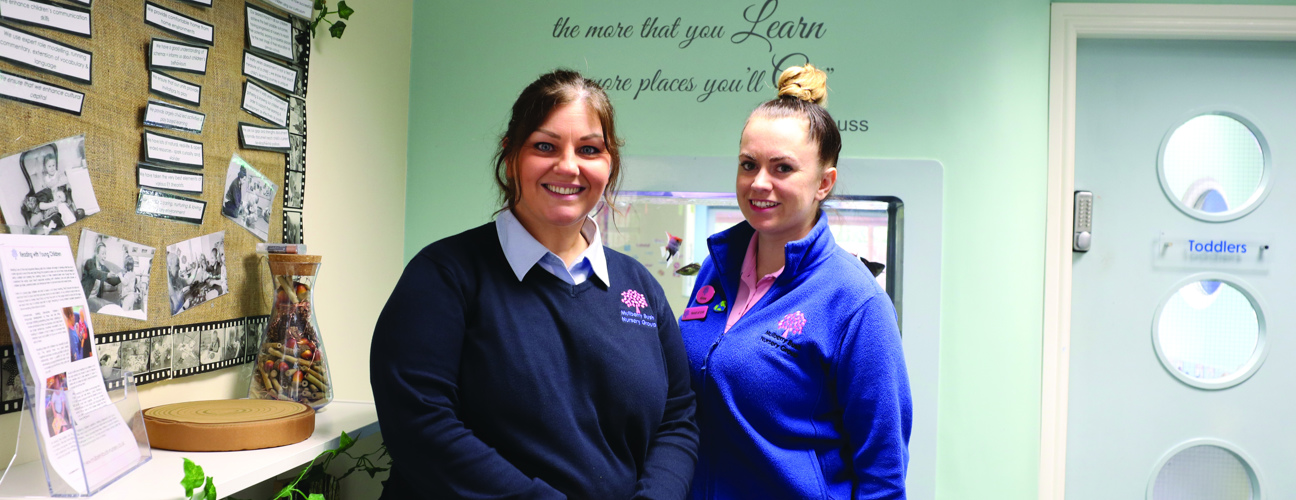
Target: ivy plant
<point>195,486</point>
<point>336,28</point>
<point>199,486</point>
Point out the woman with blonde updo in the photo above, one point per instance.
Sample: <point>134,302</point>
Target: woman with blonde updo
<point>793,346</point>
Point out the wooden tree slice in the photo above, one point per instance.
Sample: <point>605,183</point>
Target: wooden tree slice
<point>228,425</point>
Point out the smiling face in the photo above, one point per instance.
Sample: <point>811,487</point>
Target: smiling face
<point>780,180</point>
<point>561,170</point>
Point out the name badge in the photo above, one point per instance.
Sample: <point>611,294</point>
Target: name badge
<point>699,312</point>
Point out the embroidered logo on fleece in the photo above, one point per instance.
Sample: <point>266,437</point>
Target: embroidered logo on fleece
<point>634,300</point>
<point>792,324</point>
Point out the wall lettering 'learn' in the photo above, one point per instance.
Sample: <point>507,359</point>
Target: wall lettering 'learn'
<point>775,29</point>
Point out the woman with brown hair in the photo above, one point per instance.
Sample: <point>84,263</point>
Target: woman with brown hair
<point>522,359</point>
<point>802,389</point>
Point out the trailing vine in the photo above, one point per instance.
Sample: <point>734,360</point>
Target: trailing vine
<point>199,486</point>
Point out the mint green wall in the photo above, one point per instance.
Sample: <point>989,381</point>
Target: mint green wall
<point>1203,2</point>
<point>961,82</point>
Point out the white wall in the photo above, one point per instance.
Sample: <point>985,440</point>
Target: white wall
<point>357,135</point>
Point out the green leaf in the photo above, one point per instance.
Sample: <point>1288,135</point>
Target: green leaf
<point>193,478</point>
<point>315,496</point>
<point>321,5</point>
<point>345,442</point>
<point>344,12</point>
<point>337,29</point>
<point>210,489</point>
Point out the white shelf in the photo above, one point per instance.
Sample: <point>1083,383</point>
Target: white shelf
<point>159,479</point>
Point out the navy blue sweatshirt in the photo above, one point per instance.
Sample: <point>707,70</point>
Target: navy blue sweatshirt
<point>487,387</point>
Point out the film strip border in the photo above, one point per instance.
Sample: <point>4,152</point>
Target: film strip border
<point>145,353</point>
<point>294,191</point>
<point>166,353</point>
<point>211,346</point>
<point>11,398</point>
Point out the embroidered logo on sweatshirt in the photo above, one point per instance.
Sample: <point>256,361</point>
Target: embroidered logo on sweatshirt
<point>632,299</point>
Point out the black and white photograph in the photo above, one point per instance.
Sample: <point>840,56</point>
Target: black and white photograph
<point>292,227</point>
<point>115,274</point>
<point>294,182</point>
<point>248,198</point>
<point>196,271</point>
<point>185,353</point>
<point>210,343</point>
<point>109,354</point>
<point>297,152</point>
<point>47,188</point>
<point>297,114</point>
<point>160,353</point>
<point>10,387</point>
<point>232,342</point>
<point>252,334</point>
<point>134,356</point>
<point>10,380</point>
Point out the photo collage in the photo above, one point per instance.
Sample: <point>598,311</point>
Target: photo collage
<point>47,189</point>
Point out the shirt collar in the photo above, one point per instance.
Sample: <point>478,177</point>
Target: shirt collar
<point>749,266</point>
<point>800,255</point>
<point>523,251</point>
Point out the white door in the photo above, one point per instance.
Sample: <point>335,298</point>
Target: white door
<point>1182,363</point>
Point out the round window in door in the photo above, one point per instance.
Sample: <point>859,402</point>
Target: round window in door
<point>1204,469</point>
<point>1209,332</point>
<point>1215,167</point>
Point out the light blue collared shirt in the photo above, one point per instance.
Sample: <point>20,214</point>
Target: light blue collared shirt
<point>523,252</point>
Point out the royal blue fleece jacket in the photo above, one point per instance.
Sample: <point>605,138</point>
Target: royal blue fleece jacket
<point>806,396</point>
<point>487,387</point>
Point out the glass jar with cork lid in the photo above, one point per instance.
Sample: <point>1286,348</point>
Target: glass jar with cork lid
<point>291,363</point>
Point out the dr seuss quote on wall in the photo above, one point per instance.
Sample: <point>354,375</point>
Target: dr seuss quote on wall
<point>764,36</point>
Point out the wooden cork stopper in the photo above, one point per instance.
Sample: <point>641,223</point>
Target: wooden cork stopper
<point>287,264</point>
<point>228,425</point>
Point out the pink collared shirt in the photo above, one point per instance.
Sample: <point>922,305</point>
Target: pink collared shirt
<point>750,290</point>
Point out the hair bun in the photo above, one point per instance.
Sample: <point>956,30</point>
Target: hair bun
<point>806,83</point>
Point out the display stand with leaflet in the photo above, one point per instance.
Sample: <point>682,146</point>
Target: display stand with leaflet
<point>82,423</point>
<point>125,401</point>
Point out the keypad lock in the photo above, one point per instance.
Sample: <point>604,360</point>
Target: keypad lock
<point>1082,221</point>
